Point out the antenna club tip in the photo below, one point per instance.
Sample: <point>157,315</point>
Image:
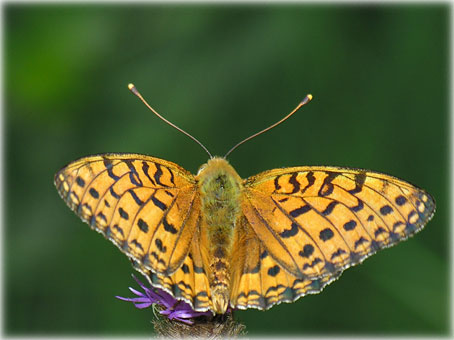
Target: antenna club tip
<point>131,86</point>
<point>306,99</point>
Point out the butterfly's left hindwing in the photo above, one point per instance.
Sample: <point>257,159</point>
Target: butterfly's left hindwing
<point>144,205</point>
<point>258,280</point>
<point>190,282</point>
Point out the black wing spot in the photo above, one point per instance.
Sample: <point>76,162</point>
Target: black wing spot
<point>142,225</point>
<point>185,268</point>
<point>169,227</point>
<point>113,193</point>
<point>108,164</point>
<point>290,232</point>
<point>158,174</point>
<point>145,168</point>
<point>172,178</point>
<point>350,225</point>
<point>378,231</point>
<point>94,193</point>
<point>397,224</point>
<point>276,183</point>
<point>401,200</point>
<point>385,210</point>
<point>360,178</point>
<point>137,244</point>
<point>358,207</point>
<point>102,216</point>
<point>263,255</point>
<point>123,214</point>
<point>158,203</point>
<point>327,188</point>
<point>360,241</point>
<point>294,182</point>
<point>273,271</point>
<point>370,218</point>
<point>162,248</point>
<point>307,251</point>
<point>300,211</point>
<point>80,182</point>
<point>135,179</point>
<point>119,229</point>
<point>136,198</point>
<point>326,234</point>
<point>337,253</point>
<point>310,181</point>
<point>329,209</point>
<point>316,261</point>
<point>169,193</point>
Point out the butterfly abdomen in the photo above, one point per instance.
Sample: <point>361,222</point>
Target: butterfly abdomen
<point>220,189</point>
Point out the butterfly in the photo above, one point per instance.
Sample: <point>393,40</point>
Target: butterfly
<point>216,240</point>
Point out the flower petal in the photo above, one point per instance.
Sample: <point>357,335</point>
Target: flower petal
<point>142,305</point>
<point>173,309</point>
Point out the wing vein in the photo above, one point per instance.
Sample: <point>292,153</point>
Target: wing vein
<point>274,234</point>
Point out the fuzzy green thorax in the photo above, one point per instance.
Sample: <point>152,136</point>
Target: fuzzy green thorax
<point>220,189</point>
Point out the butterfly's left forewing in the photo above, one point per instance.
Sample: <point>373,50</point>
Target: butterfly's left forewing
<point>144,205</point>
<point>313,222</point>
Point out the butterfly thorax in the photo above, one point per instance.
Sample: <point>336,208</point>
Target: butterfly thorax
<point>220,192</point>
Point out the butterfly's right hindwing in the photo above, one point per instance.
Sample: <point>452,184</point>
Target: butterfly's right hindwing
<point>142,204</point>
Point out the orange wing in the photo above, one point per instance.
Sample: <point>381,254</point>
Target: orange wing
<point>258,281</point>
<point>190,281</point>
<point>144,205</point>
<point>303,226</point>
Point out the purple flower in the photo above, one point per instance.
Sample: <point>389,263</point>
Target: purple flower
<point>173,309</point>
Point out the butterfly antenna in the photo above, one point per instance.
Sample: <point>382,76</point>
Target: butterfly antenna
<point>137,93</point>
<point>306,100</point>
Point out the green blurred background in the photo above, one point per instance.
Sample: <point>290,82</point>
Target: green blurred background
<point>380,79</point>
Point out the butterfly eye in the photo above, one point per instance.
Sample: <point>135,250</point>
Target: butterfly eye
<point>202,167</point>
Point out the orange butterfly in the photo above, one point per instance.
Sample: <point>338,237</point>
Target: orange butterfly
<point>215,240</point>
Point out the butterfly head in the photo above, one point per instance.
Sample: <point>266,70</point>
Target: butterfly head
<point>218,176</point>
